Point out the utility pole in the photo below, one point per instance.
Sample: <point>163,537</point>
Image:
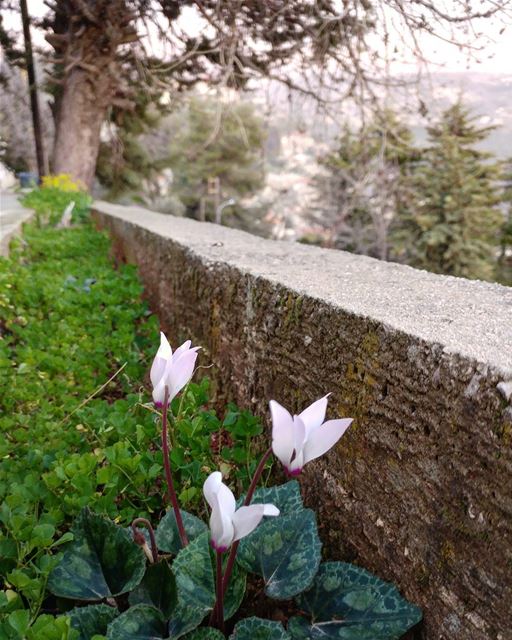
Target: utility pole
<point>32,87</point>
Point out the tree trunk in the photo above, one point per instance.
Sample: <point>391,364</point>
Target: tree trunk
<point>86,37</point>
<point>82,111</point>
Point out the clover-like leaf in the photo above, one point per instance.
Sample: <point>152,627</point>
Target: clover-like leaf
<point>259,629</point>
<point>286,497</point>
<point>102,561</point>
<point>167,534</point>
<point>205,633</point>
<point>158,588</point>
<point>285,551</point>
<point>141,622</point>
<point>91,620</point>
<point>346,602</point>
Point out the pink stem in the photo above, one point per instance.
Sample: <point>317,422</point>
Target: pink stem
<point>219,605</point>
<point>167,466</point>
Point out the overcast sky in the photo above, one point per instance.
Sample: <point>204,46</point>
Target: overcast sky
<point>495,58</point>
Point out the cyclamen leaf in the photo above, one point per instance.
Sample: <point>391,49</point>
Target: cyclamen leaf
<point>205,633</point>
<point>184,618</point>
<point>158,588</point>
<point>285,551</point>
<point>141,622</point>
<point>145,622</point>
<point>194,571</point>
<point>286,497</point>
<point>91,620</point>
<point>259,629</point>
<point>346,602</point>
<point>194,574</point>
<point>102,561</point>
<point>167,535</point>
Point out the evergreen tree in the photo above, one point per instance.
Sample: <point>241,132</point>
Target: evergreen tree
<point>504,271</point>
<point>453,228</point>
<point>367,183</point>
<point>214,141</point>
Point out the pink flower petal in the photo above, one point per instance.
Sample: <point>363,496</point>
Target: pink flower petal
<point>324,437</point>
<point>246,519</point>
<point>314,415</point>
<point>282,433</point>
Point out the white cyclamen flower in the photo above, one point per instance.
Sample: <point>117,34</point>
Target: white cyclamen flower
<point>171,370</point>
<point>227,523</point>
<point>299,439</point>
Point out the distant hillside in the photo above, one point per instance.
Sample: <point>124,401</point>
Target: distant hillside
<point>488,95</point>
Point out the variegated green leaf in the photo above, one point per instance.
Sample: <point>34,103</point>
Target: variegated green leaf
<point>194,573</point>
<point>195,577</point>
<point>346,602</point>
<point>205,633</point>
<point>167,535</point>
<point>259,629</point>
<point>101,561</point>
<point>91,620</point>
<point>141,622</point>
<point>158,588</point>
<point>285,551</point>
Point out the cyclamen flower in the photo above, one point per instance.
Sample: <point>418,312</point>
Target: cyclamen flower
<point>227,523</point>
<point>299,439</point>
<point>171,370</point>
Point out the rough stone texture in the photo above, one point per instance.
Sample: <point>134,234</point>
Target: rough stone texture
<point>420,489</point>
<point>12,217</point>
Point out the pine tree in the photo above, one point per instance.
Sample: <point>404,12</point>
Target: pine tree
<point>454,226</point>
<point>367,183</point>
<point>214,141</point>
<point>504,270</point>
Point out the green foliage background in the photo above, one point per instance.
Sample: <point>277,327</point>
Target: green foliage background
<point>69,322</point>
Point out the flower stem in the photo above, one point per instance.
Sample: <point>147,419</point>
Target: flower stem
<point>147,524</point>
<point>256,477</point>
<point>252,488</point>
<point>219,605</point>
<point>167,466</point>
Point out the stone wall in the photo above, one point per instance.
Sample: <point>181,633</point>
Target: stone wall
<point>420,488</point>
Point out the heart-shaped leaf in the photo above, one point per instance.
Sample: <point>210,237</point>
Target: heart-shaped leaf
<point>286,497</point>
<point>259,629</point>
<point>346,602</point>
<point>184,618</point>
<point>144,622</point>
<point>167,535</point>
<point>102,561</point>
<point>91,620</point>
<point>158,588</point>
<point>285,551</point>
<point>205,633</point>
<point>141,622</point>
<point>194,571</point>
<point>194,574</point>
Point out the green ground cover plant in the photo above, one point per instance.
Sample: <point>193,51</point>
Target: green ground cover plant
<point>76,427</point>
<point>56,193</point>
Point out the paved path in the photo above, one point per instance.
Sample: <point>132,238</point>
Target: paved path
<point>12,217</point>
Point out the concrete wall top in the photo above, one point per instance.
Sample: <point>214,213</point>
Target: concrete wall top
<point>470,318</point>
